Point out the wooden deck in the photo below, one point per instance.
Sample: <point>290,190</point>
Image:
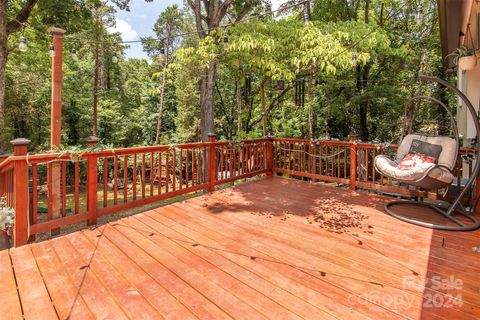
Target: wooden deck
<point>274,248</point>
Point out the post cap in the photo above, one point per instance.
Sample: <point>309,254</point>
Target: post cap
<point>211,134</point>
<point>20,142</point>
<point>55,31</point>
<point>92,139</point>
<point>352,137</point>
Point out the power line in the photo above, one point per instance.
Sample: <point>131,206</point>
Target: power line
<point>225,26</point>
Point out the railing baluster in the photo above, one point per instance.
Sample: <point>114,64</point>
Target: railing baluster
<point>64,188</point>
<point>34,194</point>
<point>76,174</point>
<point>320,154</point>
<point>125,178</point>
<point>105,182</point>
<point>204,173</point>
<point>212,162</point>
<point>134,178</point>
<point>160,168</point>
<point>143,175</point>
<point>191,167</point>
<point>180,169</point>
<point>339,151</point>
<point>152,173</point>
<point>167,171</point>
<point>174,171</point>
<point>304,157</point>
<point>115,179</point>
<point>187,168</point>
<point>332,156</point>
<point>374,154</point>
<point>49,192</point>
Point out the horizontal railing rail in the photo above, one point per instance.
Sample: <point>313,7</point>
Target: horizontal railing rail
<point>55,190</point>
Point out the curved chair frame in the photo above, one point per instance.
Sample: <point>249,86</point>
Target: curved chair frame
<point>456,206</point>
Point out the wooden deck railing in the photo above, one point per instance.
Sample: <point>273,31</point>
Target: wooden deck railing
<point>51,191</point>
<point>352,163</point>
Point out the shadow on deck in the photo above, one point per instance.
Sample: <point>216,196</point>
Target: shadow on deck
<point>274,248</point>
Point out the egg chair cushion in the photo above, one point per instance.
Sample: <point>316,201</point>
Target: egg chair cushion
<point>448,151</point>
<point>412,166</point>
<point>392,169</point>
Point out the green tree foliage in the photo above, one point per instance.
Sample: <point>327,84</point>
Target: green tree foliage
<point>260,64</point>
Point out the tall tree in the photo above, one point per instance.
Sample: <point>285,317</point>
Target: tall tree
<point>209,14</point>
<point>362,76</point>
<point>102,15</point>
<point>167,28</point>
<point>8,26</point>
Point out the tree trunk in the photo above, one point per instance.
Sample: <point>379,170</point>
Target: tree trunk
<point>162,96</point>
<point>3,65</point>
<point>264,110</point>
<point>160,107</point>
<point>409,117</point>
<point>207,86</point>
<point>364,72</point>
<point>95,89</point>
<point>311,102</point>
<point>101,63</point>
<point>364,104</point>
<point>239,107</point>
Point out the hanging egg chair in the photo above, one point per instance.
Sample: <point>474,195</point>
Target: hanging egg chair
<point>428,163</point>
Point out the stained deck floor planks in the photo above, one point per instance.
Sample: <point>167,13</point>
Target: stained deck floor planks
<point>248,252</point>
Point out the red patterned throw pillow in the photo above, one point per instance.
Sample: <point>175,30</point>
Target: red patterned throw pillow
<point>413,160</point>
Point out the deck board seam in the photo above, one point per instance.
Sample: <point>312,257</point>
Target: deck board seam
<point>229,313</point>
<point>299,200</point>
<point>333,284</point>
<point>276,261</point>
<point>245,228</point>
<point>241,225</point>
<point>306,238</point>
<point>44,283</point>
<point>242,267</point>
<point>166,289</point>
<point>120,274</point>
<point>99,280</point>
<point>228,274</point>
<point>83,281</point>
<point>139,267</point>
<point>70,280</point>
<point>16,284</point>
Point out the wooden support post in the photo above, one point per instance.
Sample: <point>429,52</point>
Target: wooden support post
<point>56,94</point>
<point>353,161</point>
<point>92,182</point>
<point>20,193</point>
<point>269,155</point>
<point>54,174</point>
<point>212,172</point>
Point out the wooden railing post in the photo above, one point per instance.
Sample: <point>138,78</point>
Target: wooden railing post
<point>92,182</point>
<point>20,192</point>
<point>269,155</point>
<point>212,172</point>
<point>353,161</point>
